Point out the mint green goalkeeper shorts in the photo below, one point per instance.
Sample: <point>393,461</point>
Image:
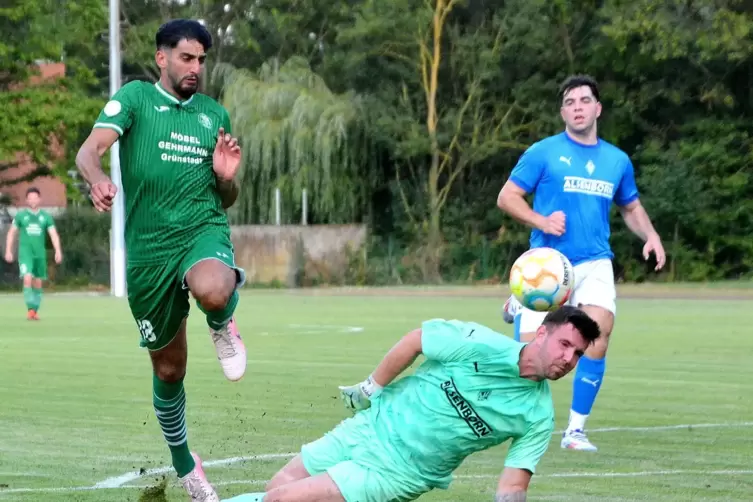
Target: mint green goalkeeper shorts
<point>363,470</point>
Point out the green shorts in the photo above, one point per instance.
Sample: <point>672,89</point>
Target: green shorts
<point>361,469</point>
<point>158,294</point>
<point>32,265</point>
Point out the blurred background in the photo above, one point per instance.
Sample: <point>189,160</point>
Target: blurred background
<point>378,133</point>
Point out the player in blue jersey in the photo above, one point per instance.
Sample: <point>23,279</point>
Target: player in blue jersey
<point>575,177</point>
<point>476,389</point>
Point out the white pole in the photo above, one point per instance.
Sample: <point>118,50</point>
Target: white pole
<point>278,203</point>
<point>117,240</point>
<point>304,208</point>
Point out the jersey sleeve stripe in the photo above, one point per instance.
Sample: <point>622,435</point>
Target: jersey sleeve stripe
<point>107,125</point>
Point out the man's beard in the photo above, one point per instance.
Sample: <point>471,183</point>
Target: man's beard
<point>184,91</point>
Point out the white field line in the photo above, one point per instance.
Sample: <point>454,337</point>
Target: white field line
<point>121,481</point>
<point>460,478</point>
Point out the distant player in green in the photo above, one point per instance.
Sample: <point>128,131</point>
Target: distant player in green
<point>476,389</point>
<point>178,163</point>
<point>33,225</point>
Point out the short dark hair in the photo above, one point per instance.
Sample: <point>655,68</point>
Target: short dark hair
<point>574,81</point>
<point>33,190</point>
<point>567,314</point>
<point>172,32</point>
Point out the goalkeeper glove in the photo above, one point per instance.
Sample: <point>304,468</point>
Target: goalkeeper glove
<point>358,397</point>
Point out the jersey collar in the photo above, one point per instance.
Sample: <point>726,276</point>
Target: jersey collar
<point>170,97</point>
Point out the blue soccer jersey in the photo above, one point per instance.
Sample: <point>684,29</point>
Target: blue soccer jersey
<point>582,181</point>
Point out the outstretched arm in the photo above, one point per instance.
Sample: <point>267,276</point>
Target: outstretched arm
<point>436,339</point>
<point>400,357</point>
<point>513,485</point>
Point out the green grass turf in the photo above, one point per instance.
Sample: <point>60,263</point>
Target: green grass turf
<point>76,397</point>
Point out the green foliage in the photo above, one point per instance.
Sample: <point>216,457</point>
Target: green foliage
<point>39,118</point>
<point>386,119</point>
<point>297,134</point>
<point>85,238</point>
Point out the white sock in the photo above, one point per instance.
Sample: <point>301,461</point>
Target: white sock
<point>577,421</point>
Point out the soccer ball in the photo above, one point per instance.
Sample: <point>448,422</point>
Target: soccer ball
<point>541,279</point>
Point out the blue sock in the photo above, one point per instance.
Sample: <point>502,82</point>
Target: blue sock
<point>248,497</point>
<point>588,379</point>
<point>516,324</point>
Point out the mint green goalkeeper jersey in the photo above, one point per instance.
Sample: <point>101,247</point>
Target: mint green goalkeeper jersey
<point>166,149</point>
<point>467,396</point>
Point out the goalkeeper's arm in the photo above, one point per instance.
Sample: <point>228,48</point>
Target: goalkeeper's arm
<point>400,357</point>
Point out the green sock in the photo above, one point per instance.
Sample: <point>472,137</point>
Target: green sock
<point>170,407</point>
<point>218,319</point>
<point>37,298</point>
<point>29,298</point>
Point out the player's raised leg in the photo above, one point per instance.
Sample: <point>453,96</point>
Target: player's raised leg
<point>212,277</point>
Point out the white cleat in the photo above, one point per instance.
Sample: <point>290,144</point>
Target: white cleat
<point>197,485</point>
<point>576,440</point>
<point>510,310</point>
<point>230,351</point>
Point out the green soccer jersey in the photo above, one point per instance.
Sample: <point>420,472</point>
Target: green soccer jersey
<point>32,228</point>
<point>166,147</point>
<point>467,396</point>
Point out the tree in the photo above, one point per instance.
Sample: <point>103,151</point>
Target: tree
<point>440,115</point>
<point>40,117</point>
<point>297,134</point>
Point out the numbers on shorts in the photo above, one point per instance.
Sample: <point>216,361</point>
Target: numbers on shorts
<point>147,330</point>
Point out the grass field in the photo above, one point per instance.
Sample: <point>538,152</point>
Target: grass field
<point>674,419</point>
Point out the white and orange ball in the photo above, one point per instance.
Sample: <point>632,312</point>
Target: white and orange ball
<point>541,279</point>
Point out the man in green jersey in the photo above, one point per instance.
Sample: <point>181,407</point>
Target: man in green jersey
<point>33,225</point>
<point>476,389</point>
<point>178,163</point>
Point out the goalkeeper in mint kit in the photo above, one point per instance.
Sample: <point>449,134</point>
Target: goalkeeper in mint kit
<point>475,390</point>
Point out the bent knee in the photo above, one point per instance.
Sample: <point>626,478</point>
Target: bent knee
<point>212,299</point>
<point>211,283</point>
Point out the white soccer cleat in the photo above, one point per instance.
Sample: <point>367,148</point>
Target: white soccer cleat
<point>510,310</point>
<point>230,350</point>
<point>576,440</point>
<point>197,485</point>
